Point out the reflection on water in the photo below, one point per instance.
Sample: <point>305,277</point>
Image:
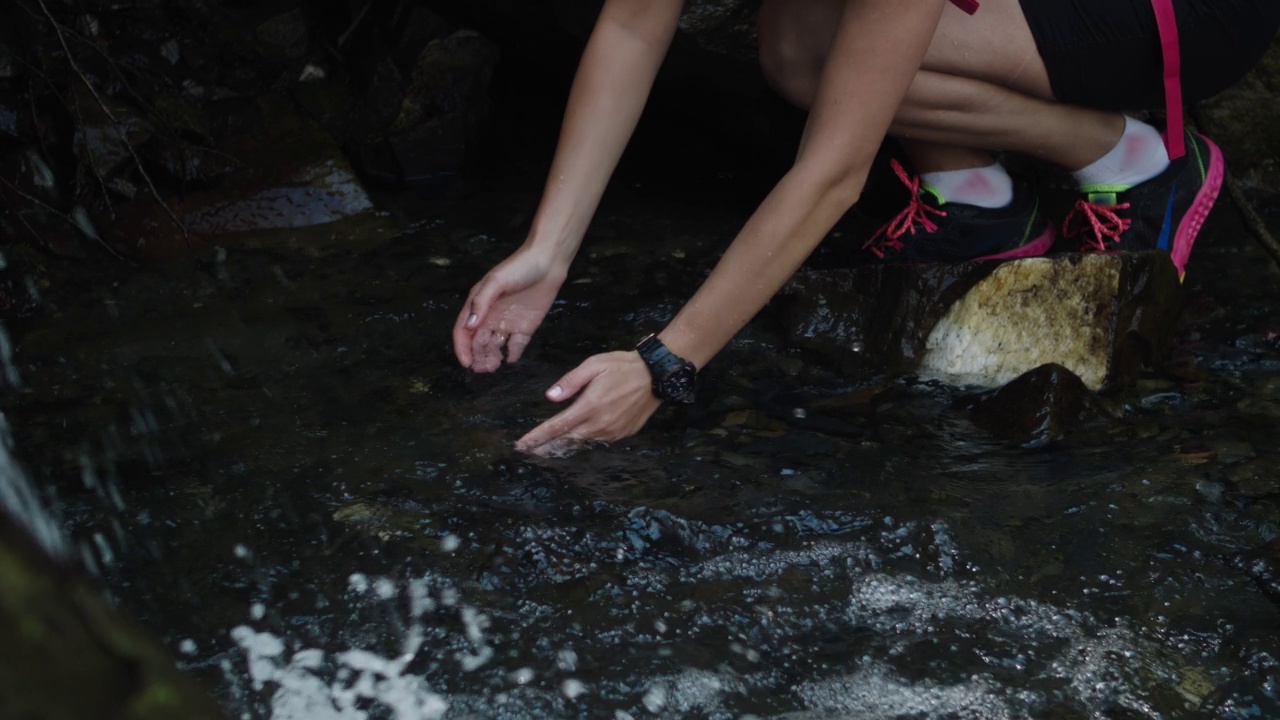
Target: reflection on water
<point>326,519</point>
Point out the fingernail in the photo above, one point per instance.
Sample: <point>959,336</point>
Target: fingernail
<point>555,392</point>
<point>471,321</point>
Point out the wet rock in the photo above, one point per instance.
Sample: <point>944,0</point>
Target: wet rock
<point>293,176</point>
<point>984,324</point>
<point>10,105</point>
<point>69,653</point>
<point>103,139</point>
<point>285,36</point>
<point>1254,479</point>
<point>1262,565</point>
<point>430,116</point>
<point>1041,405</point>
<point>1102,316</point>
<point>1243,119</point>
<point>725,28</point>
<point>873,318</point>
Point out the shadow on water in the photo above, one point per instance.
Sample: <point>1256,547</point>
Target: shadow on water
<point>325,518</point>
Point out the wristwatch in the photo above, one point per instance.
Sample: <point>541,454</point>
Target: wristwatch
<point>674,378</point>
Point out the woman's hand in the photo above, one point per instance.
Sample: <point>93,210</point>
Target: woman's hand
<point>504,309</point>
<point>617,399</point>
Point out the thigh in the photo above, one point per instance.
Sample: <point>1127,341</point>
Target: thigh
<point>1106,53</point>
<point>994,45</point>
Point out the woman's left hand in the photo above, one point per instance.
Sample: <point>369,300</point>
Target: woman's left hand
<point>616,401</point>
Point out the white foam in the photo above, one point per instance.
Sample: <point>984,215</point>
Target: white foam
<point>303,693</point>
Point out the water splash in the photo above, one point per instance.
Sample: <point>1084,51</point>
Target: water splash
<point>17,496</point>
<point>310,687</point>
<point>19,499</point>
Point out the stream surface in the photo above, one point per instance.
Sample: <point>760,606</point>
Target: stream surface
<point>272,459</point>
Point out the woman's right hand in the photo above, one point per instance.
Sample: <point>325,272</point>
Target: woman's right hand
<point>504,309</point>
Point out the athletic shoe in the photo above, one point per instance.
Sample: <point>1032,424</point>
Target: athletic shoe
<point>932,230</point>
<point>1163,213</point>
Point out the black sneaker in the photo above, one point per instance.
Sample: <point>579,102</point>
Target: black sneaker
<point>1163,213</point>
<point>931,230</point>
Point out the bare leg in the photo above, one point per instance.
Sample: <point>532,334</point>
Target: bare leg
<point>982,87</point>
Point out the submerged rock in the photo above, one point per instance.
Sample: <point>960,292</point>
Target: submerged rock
<point>1038,406</point>
<point>1103,317</point>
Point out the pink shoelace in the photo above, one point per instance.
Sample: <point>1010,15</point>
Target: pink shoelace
<point>1101,224</point>
<point>1102,220</point>
<point>916,212</point>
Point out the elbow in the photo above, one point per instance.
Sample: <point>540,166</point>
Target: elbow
<point>838,185</point>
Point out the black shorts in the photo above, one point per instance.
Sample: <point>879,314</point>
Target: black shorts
<point>1106,53</point>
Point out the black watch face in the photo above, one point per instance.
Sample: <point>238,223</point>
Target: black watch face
<point>679,385</point>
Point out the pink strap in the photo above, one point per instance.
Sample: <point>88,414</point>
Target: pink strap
<point>969,6</point>
<point>1167,23</point>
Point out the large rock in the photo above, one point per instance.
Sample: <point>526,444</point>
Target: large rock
<point>290,175</point>
<point>426,101</point>
<point>1103,317</point>
<point>68,654</point>
<point>1243,120</point>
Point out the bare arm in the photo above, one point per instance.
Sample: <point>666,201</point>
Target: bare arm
<point>878,48</point>
<point>613,81</point>
<point>877,51</point>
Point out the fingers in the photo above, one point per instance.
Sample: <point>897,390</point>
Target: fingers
<point>568,422</point>
<point>557,428</point>
<point>576,379</point>
<point>486,349</point>
<point>472,316</point>
<point>516,345</point>
<point>462,329</point>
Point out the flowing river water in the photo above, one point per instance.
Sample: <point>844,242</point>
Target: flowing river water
<point>271,458</point>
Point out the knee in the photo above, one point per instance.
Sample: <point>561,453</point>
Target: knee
<point>791,66</point>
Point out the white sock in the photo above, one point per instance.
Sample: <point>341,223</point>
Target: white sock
<point>1138,156</point>
<point>988,187</point>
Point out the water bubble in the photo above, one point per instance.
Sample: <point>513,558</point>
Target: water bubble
<point>450,543</point>
<point>257,611</point>
<point>523,676</point>
<point>187,647</point>
<point>567,660</point>
<point>384,588</point>
<point>572,688</point>
<point>655,699</point>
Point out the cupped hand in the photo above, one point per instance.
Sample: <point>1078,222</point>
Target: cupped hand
<point>616,401</point>
<point>504,309</point>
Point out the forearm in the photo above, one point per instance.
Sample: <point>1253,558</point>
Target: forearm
<point>878,48</point>
<point>780,235</point>
<point>613,81</point>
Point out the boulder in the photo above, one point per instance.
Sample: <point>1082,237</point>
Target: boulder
<point>290,175</point>
<point>1243,120</point>
<point>423,120</point>
<point>67,653</point>
<point>105,141</point>
<point>1103,317</point>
